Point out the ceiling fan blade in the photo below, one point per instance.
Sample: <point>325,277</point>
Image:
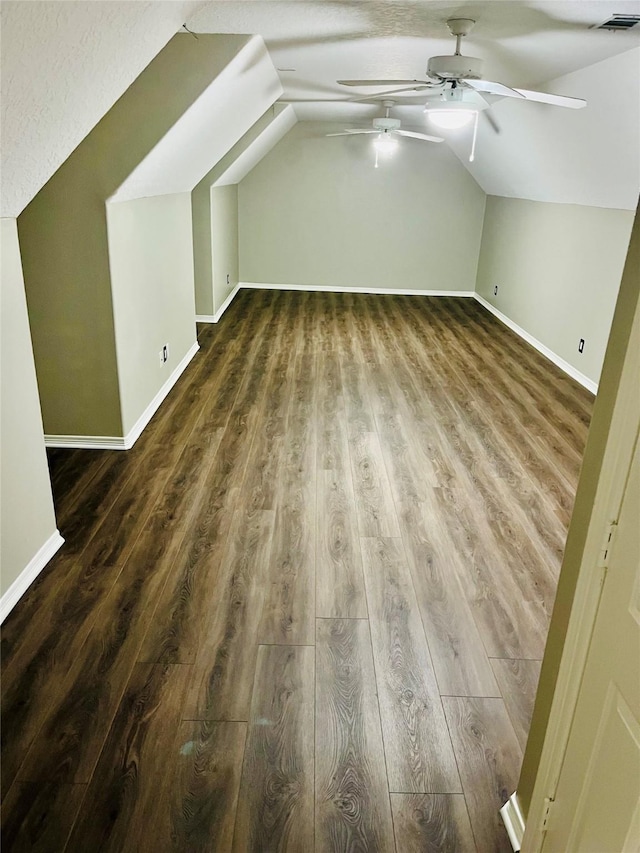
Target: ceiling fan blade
<point>554,100</point>
<point>383,82</point>
<point>419,136</point>
<point>386,94</point>
<point>494,88</point>
<point>351,132</point>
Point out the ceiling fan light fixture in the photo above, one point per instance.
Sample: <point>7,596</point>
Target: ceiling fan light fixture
<point>451,119</point>
<point>385,143</point>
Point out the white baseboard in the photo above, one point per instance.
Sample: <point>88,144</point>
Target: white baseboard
<point>513,819</point>
<point>113,442</point>
<point>214,318</point>
<point>569,369</point>
<point>27,576</point>
<point>386,291</point>
<point>86,442</point>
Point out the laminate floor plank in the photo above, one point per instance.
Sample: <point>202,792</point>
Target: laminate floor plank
<point>37,817</point>
<point>461,663</point>
<point>526,429</point>
<point>224,666</point>
<point>332,442</point>
<point>204,793</point>
<point>69,743</point>
<point>276,806</point>
<point>352,801</point>
<point>289,608</point>
<point>432,823</point>
<point>27,699</point>
<point>489,759</point>
<point>374,503</point>
<point>357,397</point>
<point>162,784</point>
<point>310,428</point>
<point>340,591</point>
<point>288,613</point>
<point>182,612</point>
<point>133,771</point>
<point>507,620</point>
<point>465,381</point>
<point>479,461</point>
<point>418,749</point>
<point>71,476</point>
<point>518,681</point>
<point>495,600</point>
<point>534,373</point>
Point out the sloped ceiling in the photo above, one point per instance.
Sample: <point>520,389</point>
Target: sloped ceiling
<point>256,145</point>
<point>236,98</point>
<point>589,156</point>
<point>63,66</point>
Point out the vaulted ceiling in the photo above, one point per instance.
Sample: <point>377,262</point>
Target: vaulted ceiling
<point>65,64</point>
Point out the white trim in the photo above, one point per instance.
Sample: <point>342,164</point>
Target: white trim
<point>27,576</point>
<point>134,433</point>
<point>322,288</point>
<point>513,819</point>
<point>114,442</point>
<point>587,383</point>
<point>87,442</point>
<point>386,291</point>
<point>214,318</point>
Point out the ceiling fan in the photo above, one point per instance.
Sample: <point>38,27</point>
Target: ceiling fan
<point>386,127</point>
<point>451,76</point>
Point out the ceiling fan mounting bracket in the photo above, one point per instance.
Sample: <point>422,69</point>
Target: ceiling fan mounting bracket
<point>460,26</point>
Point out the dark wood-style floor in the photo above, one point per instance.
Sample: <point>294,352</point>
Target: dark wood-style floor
<point>307,610</point>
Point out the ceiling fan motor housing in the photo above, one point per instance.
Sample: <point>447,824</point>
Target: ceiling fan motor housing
<point>455,67</point>
<point>386,123</point>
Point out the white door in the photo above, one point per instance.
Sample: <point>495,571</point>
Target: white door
<point>596,807</point>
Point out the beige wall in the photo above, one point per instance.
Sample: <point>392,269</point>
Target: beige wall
<point>202,249</point>
<point>314,211</point>
<point>151,262</point>
<point>63,236</point>
<point>28,519</point>
<point>590,474</point>
<point>224,231</point>
<point>215,245</point>
<point>558,270</point>
<point>229,170</point>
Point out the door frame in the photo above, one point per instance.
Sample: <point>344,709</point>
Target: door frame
<point>616,462</point>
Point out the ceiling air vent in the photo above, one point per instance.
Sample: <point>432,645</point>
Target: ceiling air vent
<point>618,22</point>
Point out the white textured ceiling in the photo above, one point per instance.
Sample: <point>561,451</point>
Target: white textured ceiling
<point>316,42</point>
<point>225,111</point>
<point>585,157</point>
<point>64,64</point>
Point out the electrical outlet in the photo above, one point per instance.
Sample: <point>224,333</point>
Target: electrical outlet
<point>581,345</point>
<point>227,278</point>
<point>161,354</point>
<point>495,290</point>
